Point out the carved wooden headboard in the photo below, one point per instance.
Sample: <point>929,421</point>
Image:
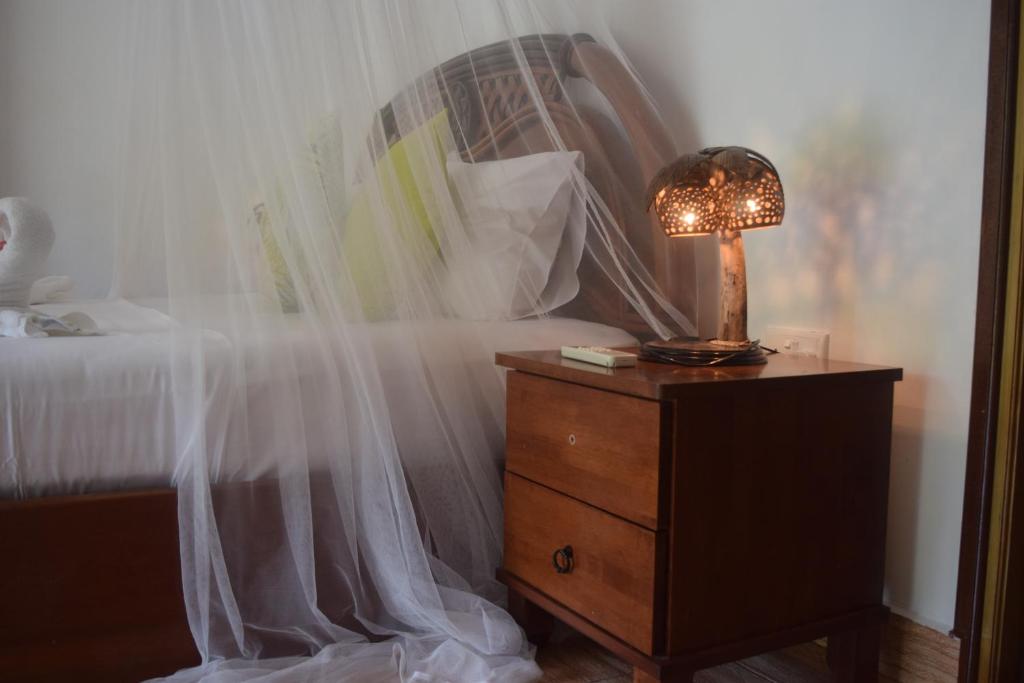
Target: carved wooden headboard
<point>492,115</point>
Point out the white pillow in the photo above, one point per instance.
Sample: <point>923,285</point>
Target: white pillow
<point>525,228</point>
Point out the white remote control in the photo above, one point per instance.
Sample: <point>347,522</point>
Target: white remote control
<point>598,355</point>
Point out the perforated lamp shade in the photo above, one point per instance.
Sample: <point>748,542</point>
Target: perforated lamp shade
<point>720,190</point>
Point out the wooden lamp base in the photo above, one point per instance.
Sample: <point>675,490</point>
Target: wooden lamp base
<point>731,347</point>
<point>732,314</point>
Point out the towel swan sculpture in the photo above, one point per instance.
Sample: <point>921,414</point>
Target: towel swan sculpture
<point>27,237</point>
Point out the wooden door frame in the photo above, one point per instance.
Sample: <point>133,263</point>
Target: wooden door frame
<point>990,576</point>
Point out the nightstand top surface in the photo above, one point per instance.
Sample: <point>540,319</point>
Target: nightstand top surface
<point>663,381</point>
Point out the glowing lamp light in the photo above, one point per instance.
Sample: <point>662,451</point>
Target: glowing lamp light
<point>720,191</point>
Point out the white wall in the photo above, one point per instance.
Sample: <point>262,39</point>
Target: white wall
<point>58,73</point>
<point>874,112</point>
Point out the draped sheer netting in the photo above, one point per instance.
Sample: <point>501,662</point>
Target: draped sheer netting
<point>346,208</point>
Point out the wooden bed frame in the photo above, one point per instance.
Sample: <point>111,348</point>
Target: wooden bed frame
<point>90,585</point>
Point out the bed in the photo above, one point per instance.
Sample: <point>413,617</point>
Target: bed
<point>88,516</point>
<point>72,405</point>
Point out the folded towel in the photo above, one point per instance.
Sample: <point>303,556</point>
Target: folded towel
<point>115,316</point>
<point>51,289</point>
<point>26,323</point>
<point>28,237</point>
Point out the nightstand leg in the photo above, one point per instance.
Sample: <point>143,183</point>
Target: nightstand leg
<point>643,677</point>
<point>640,676</point>
<point>537,623</point>
<point>853,656</point>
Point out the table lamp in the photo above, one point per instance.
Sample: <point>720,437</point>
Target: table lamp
<point>720,191</point>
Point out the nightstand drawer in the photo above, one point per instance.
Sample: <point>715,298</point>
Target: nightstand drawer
<point>598,446</point>
<point>611,574</point>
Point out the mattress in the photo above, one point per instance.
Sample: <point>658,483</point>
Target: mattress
<point>91,414</point>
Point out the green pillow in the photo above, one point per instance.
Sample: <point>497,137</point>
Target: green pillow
<point>326,163</point>
<point>412,204</point>
<point>283,283</point>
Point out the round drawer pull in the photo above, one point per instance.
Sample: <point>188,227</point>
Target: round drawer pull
<point>562,560</point>
<point>572,439</point>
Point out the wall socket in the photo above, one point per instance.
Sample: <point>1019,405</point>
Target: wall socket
<point>797,341</point>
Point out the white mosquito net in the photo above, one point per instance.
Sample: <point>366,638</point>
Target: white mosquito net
<point>346,208</point>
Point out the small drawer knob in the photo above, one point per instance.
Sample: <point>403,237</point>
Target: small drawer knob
<point>572,439</point>
<point>562,560</point>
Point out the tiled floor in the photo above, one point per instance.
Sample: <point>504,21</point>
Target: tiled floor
<point>577,660</point>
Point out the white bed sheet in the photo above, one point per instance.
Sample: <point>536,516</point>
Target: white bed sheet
<point>94,413</point>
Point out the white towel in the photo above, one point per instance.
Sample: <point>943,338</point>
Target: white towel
<point>51,289</point>
<point>28,237</point>
<point>115,316</point>
<point>27,323</point>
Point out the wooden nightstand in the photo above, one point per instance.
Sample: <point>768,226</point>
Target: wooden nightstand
<point>687,517</point>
